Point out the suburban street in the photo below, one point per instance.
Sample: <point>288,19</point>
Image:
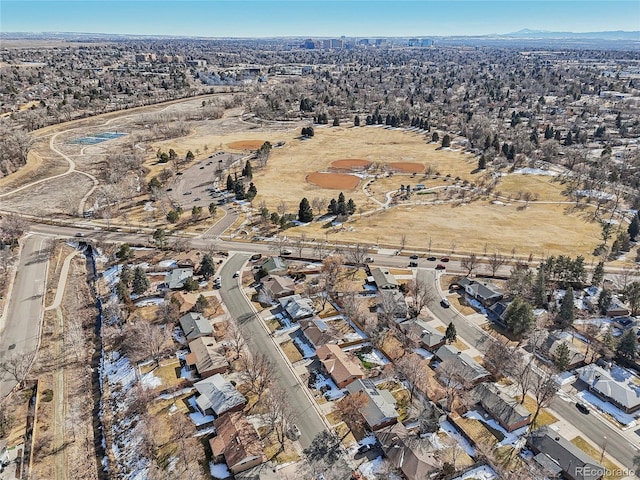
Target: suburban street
<point>591,426</point>
<point>20,329</point>
<point>258,340</point>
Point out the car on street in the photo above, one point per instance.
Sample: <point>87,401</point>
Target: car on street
<point>431,259</point>
<point>368,260</point>
<point>187,193</point>
<point>197,199</point>
<point>217,283</point>
<point>237,274</point>
<point>293,432</point>
<point>414,257</point>
<point>286,251</point>
<point>169,190</point>
<point>445,303</point>
<point>444,259</point>
<point>79,234</point>
<point>413,264</point>
<point>582,408</point>
<point>440,267</point>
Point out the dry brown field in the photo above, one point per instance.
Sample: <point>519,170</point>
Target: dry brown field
<point>350,164</point>
<point>336,181</point>
<point>406,167</point>
<point>245,144</point>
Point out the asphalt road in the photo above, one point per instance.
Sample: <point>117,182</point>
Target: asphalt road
<point>19,333</point>
<point>590,425</point>
<point>258,340</point>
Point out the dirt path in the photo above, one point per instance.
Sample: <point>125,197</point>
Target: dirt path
<point>59,401</point>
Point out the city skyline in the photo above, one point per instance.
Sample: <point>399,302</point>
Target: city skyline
<point>301,18</point>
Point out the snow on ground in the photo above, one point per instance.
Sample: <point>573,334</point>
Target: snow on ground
<point>423,353</point>
<point>150,381</point>
<point>178,336</point>
<point>148,207</point>
<point>283,319</point>
<point>334,392</point>
<point>168,264</point>
<point>111,276</point>
<point>307,350</point>
<point>374,356</point>
<point>619,415</point>
<point>453,432</point>
<point>196,416</point>
<point>118,369</point>
<point>481,473</point>
<point>535,171</point>
<point>219,470</point>
<point>149,301</point>
<point>510,438</point>
<point>476,305</point>
<point>375,468</point>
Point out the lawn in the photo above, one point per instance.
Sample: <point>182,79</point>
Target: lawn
<point>476,430</point>
<point>544,417</point>
<point>291,351</point>
<point>614,472</point>
<point>459,344</point>
<point>272,324</point>
<point>457,303</point>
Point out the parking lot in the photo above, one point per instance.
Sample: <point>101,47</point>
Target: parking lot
<point>203,182</point>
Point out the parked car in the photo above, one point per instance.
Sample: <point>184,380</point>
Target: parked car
<point>440,267</point>
<point>237,274</point>
<point>583,408</point>
<point>368,260</point>
<point>79,234</point>
<point>294,432</point>
<point>413,264</point>
<point>431,259</point>
<point>445,303</point>
<point>286,251</point>
<point>365,448</point>
<point>444,259</point>
<point>414,257</point>
<point>187,193</point>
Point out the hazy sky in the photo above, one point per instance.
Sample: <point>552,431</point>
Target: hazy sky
<point>261,18</point>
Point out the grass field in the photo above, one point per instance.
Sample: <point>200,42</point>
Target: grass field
<point>613,472</point>
<point>544,417</point>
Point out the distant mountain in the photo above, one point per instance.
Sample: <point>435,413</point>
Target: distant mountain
<point>544,34</point>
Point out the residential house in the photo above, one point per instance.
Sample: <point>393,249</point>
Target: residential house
<point>467,367</point>
<point>338,365</point>
<point>404,453</point>
<point>623,394</point>
<point>218,396</point>
<point>423,334</point>
<point>264,471</point>
<point>617,308</point>
<point>238,442</point>
<point>297,307</point>
<point>383,279</point>
<point>195,325</point>
<point>502,407</point>
<point>273,266</point>
<point>278,286</point>
<point>186,300</point>
<point>553,341</point>
<point>205,356</point>
<point>486,293</point>
<point>174,280</point>
<point>318,332</point>
<point>393,302</point>
<point>380,410</point>
<point>497,311</point>
<point>624,323</point>
<point>558,456</point>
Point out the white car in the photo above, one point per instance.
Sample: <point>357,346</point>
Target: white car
<point>237,274</point>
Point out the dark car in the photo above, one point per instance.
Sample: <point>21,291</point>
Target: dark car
<point>440,267</point>
<point>365,448</point>
<point>414,257</point>
<point>413,264</point>
<point>445,303</point>
<point>431,259</point>
<point>583,408</point>
<point>444,259</point>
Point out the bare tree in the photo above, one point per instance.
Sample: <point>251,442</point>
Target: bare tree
<point>258,372</point>
<point>495,262</point>
<point>499,359</point>
<point>12,226</point>
<point>357,255</point>
<point>452,380</point>
<point>410,366</point>
<point>421,295</point>
<point>299,243</point>
<point>469,263</point>
<point>350,408</point>
<point>544,387</point>
<point>17,366</point>
<point>279,416</point>
<point>145,340</point>
<point>319,204</point>
<point>235,339</point>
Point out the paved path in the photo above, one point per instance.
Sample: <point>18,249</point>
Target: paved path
<point>258,340</point>
<point>20,332</point>
<point>62,281</point>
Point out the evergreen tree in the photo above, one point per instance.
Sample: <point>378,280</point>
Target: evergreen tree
<point>604,301</point>
<point>140,282</point>
<point>190,157</point>
<point>124,252</point>
<point>336,122</point>
<point>126,275</point>
<point>446,141</point>
<point>333,207</point>
<point>212,209</point>
<point>201,304</point>
<point>207,267</point>
<point>230,183</point>
<point>598,274</point>
<point>435,137</point>
<point>191,284</point>
<point>628,346</point>
<point>569,140</point>
<point>251,192</point>
<point>356,121</point>
<point>173,216</point>
<point>160,238</point>
<point>518,317</point>
<point>451,333</point>
<point>482,163</point>
<point>238,189</point>
<point>196,212</point>
<point>305,213</point>
<point>634,227</point>
<point>561,357</point>
<point>540,289</point>
<point>565,316</point>
<point>123,292</point>
<point>351,207</point>
<point>247,171</point>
